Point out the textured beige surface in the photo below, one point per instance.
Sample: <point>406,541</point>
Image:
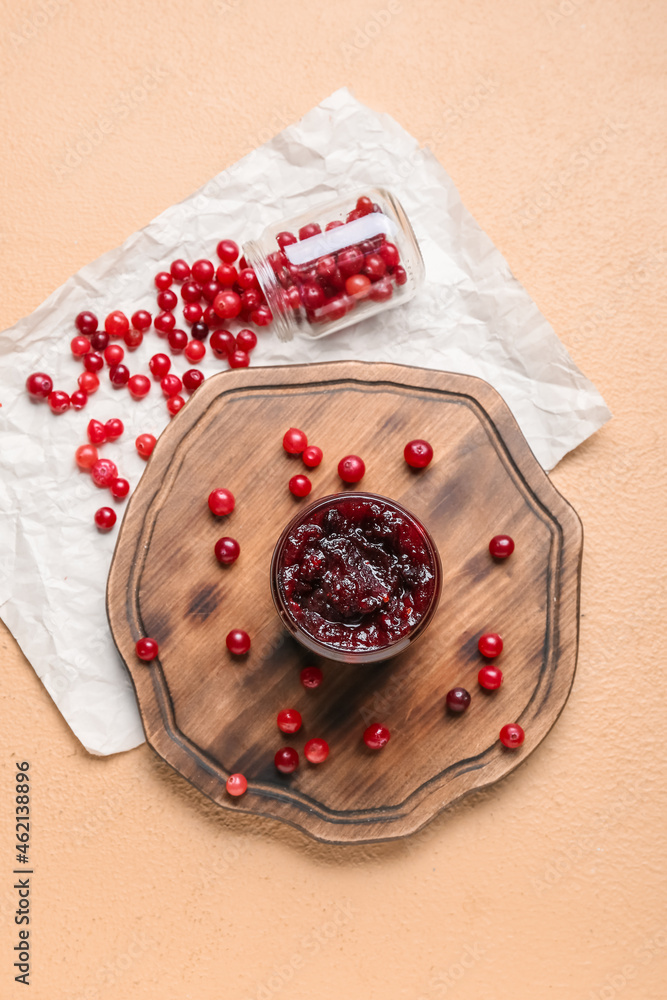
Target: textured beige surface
<point>550,117</point>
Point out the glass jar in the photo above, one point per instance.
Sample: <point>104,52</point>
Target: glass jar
<point>355,577</point>
<point>337,264</point>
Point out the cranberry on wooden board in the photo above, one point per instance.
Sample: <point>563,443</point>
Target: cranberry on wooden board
<point>221,502</point>
<point>376,736</point>
<point>311,677</point>
<point>512,735</point>
<point>490,678</point>
<point>236,784</point>
<point>351,469</point>
<point>490,644</point>
<point>286,760</point>
<point>418,453</point>
<point>316,750</point>
<point>238,642</point>
<point>86,322</point>
<point>294,441</point>
<point>105,518</point>
<point>147,649</point>
<point>227,550</point>
<point>300,486</point>
<point>501,546</point>
<point>289,720</point>
<point>312,456</point>
<point>457,700</point>
<point>39,385</point>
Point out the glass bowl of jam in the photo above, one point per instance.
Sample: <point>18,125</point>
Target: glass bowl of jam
<point>355,577</point>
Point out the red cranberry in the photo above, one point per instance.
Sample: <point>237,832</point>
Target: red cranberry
<point>316,750</point>
<point>113,354</point>
<point>501,546</point>
<point>490,644</point>
<point>164,322</point>
<point>333,225</point>
<point>390,255</point>
<point>79,346</point>
<point>133,339</point>
<point>311,677</point>
<point>78,399</point>
<point>286,760</point>
<point>39,385</point>
<point>86,322</point>
<point>326,266</point>
<point>222,343</point>
<point>335,309</point>
<point>142,319</point>
<point>174,404</point>
<point>312,296</point>
<point>210,290</point>
<point>210,317</point>
<point>93,362</point>
<point>159,365</point>
<point>145,444</point>
<point>178,341</point>
<point>59,401</point>
<point>180,270</point>
<point>199,331</point>
<point>354,215</point>
<point>376,736</point>
<point>227,251</point>
<point>312,229</point>
<point>171,385</point>
<point>221,502</point>
<point>119,488</point>
<point>236,784</point>
<point>202,271</point>
<point>350,262</point>
<point>139,386</point>
<point>238,642</point>
<point>458,700</point>
<point>277,260</point>
<point>114,428</point>
<point>250,300</point>
<point>364,204</point>
<point>289,720</point>
<point>119,375</point>
<point>86,456</point>
<point>400,275</point>
<point>99,340</point>
<point>227,275</point>
<point>294,441</point>
<point>357,284</point>
<point>351,469</point>
<point>239,359</point>
<point>192,312</point>
<point>418,453</point>
<point>105,518</point>
<point>300,486</point>
<point>374,266</point>
<point>192,379</point>
<point>103,472</point>
<point>512,735</point>
<point>261,316</point>
<point>285,239</point>
<point>381,291</point>
<point>96,431</point>
<point>116,324</point>
<point>227,305</point>
<point>227,551</point>
<point>312,456</point>
<point>195,351</point>
<point>163,280</point>
<point>147,649</point>
<point>490,678</point>
<point>246,340</point>
<point>247,279</point>
<point>167,300</point>
<point>88,383</point>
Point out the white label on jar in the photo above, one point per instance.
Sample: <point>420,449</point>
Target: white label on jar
<point>343,236</point>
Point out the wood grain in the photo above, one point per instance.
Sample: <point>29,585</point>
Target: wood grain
<point>209,714</point>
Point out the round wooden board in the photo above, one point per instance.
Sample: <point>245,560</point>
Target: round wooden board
<point>209,714</point>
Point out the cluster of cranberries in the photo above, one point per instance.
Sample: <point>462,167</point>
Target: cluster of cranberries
<point>103,472</point>
<point>330,285</point>
<point>489,677</point>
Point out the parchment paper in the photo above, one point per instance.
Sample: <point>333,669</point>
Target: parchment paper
<point>472,317</point>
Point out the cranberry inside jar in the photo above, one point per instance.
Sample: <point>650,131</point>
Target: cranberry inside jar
<point>337,264</point>
<point>355,577</point>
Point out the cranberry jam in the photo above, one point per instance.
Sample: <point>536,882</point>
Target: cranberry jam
<point>355,577</point>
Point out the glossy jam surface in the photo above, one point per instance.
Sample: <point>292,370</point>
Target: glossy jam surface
<point>357,573</point>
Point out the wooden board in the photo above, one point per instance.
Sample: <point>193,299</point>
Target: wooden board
<point>209,714</point>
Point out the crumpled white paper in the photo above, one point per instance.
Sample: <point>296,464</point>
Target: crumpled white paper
<point>471,317</point>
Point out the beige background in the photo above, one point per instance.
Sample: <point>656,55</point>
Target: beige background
<point>549,114</point>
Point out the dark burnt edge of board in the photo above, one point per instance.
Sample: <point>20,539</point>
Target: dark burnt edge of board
<point>291,795</point>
